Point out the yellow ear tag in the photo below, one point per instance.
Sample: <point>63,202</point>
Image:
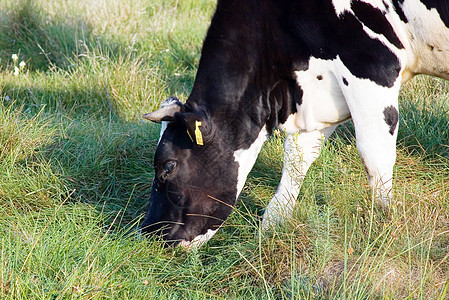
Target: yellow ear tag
<point>198,135</point>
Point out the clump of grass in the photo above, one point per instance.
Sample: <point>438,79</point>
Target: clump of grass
<point>424,117</point>
<point>29,32</point>
<point>26,178</point>
<point>107,162</point>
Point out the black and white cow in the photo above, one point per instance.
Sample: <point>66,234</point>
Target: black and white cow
<point>304,66</point>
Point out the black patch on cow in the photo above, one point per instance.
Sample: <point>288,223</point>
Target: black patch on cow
<point>375,19</point>
<point>283,98</point>
<point>391,117</point>
<point>345,82</point>
<point>442,7</point>
<point>319,77</point>
<point>325,35</point>
<point>398,8</point>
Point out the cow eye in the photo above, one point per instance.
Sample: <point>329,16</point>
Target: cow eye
<point>166,170</point>
<point>169,167</point>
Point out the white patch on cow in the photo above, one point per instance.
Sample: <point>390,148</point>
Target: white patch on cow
<point>323,104</point>
<point>198,241</point>
<point>247,157</point>
<point>428,38</point>
<point>164,125</point>
<point>341,6</point>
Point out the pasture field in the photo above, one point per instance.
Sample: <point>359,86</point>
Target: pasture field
<point>76,171</point>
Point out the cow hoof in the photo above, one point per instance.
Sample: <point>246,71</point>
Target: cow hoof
<point>267,224</point>
<point>384,199</point>
<point>270,221</point>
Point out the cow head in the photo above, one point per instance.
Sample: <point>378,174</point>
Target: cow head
<point>195,183</point>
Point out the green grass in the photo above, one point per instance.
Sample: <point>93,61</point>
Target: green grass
<point>76,171</point>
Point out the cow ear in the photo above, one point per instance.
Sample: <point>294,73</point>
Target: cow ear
<point>167,112</point>
<point>198,127</point>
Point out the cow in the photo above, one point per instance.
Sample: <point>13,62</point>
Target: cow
<point>304,66</point>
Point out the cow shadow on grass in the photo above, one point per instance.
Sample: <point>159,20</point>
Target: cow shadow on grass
<point>45,41</point>
<point>105,162</point>
<point>109,163</point>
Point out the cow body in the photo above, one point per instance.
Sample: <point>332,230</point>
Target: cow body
<point>304,66</point>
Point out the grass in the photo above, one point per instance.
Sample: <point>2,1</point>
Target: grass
<point>76,171</point>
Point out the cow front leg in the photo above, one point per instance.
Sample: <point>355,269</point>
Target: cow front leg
<point>300,151</point>
<point>377,150</point>
<point>376,132</point>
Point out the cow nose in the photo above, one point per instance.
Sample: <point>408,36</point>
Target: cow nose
<point>187,246</point>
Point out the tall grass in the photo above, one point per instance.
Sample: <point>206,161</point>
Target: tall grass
<point>76,171</point>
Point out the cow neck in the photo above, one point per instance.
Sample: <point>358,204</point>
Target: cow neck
<point>243,82</point>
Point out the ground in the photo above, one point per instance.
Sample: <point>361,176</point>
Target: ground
<point>76,171</point>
